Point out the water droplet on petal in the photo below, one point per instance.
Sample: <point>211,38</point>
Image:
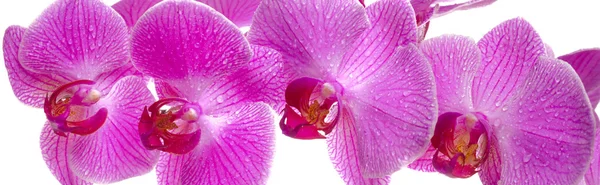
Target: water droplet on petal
<point>220,99</point>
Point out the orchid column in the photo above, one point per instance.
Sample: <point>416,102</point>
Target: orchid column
<point>355,78</point>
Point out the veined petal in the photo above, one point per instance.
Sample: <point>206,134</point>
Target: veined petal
<point>592,176</point>
<point>455,61</point>
<point>395,111</point>
<point>240,12</point>
<point>427,9</point>
<point>259,81</point>
<point>54,151</point>
<point>587,65</point>
<point>312,34</point>
<point>132,10</point>
<point>546,132</point>
<point>491,168</point>
<point>392,25</point>
<point>106,80</point>
<point>186,39</point>
<point>343,151</point>
<point>235,149</point>
<point>114,152</point>
<point>424,163</point>
<point>77,38</point>
<point>29,87</point>
<point>508,53</point>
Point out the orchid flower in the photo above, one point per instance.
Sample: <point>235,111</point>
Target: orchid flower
<point>238,11</point>
<point>355,78</point>
<point>73,62</point>
<point>587,65</point>
<point>208,123</point>
<point>507,110</point>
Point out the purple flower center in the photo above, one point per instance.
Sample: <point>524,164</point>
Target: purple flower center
<point>68,107</point>
<point>312,108</point>
<point>170,125</point>
<point>461,144</point>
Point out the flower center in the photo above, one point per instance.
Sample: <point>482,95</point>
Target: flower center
<point>170,125</point>
<point>68,107</point>
<point>312,108</point>
<point>461,144</point>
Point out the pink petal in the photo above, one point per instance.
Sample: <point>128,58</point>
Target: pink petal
<point>592,176</point>
<point>313,35</point>
<point>427,9</point>
<point>491,168</point>
<point>115,152</point>
<point>240,12</point>
<point>546,132</point>
<point>54,151</point>
<point>106,80</point>
<point>29,87</point>
<point>587,65</point>
<point>450,7</point>
<point>393,25</point>
<point>424,163</point>
<point>395,111</point>
<point>258,81</point>
<point>508,53</point>
<point>455,61</point>
<point>186,39</point>
<point>132,10</point>
<point>343,151</point>
<point>78,38</point>
<point>238,151</point>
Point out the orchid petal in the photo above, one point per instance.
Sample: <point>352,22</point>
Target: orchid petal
<point>77,38</point>
<point>393,25</point>
<point>258,81</point>
<point>424,163</point>
<point>427,9</point>
<point>312,35</point>
<point>29,87</point>
<point>508,53</point>
<point>455,61</point>
<point>592,176</point>
<point>105,81</point>
<point>491,168</point>
<point>114,152</point>
<point>549,51</point>
<point>240,12</point>
<point>546,132</point>
<point>587,65</point>
<point>132,10</point>
<point>54,151</point>
<point>395,111</point>
<point>235,149</point>
<point>184,39</point>
<point>343,151</point>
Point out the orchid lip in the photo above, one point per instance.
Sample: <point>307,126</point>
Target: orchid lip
<point>309,113</point>
<point>167,130</point>
<point>65,106</point>
<point>461,144</point>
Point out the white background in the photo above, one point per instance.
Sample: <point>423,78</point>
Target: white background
<point>565,25</point>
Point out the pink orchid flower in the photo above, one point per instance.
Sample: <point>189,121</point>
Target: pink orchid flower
<point>208,124</point>
<point>507,110</point>
<point>354,77</point>
<point>587,65</point>
<point>73,62</point>
<point>237,11</point>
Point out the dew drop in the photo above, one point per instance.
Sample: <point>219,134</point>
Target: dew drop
<point>527,157</point>
<point>220,99</point>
